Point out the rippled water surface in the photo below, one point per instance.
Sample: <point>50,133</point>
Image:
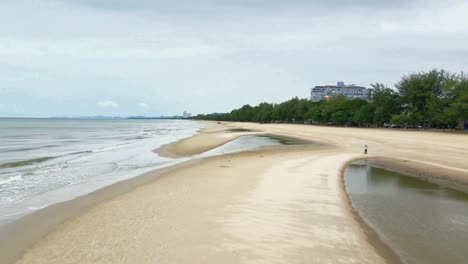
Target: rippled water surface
<point>423,222</point>
<point>45,161</point>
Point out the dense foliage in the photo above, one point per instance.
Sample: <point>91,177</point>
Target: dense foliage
<point>428,99</point>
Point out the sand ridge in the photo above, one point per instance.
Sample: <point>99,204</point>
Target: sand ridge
<point>231,211</point>
<point>211,137</point>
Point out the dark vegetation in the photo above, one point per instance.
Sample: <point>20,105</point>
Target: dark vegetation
<point>434,99</point>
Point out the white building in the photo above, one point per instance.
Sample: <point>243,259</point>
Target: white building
<point>186,114</point>
<point>350,91</point>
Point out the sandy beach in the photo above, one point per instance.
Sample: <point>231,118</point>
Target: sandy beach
<point>214,136</point>
<point>275,205</point>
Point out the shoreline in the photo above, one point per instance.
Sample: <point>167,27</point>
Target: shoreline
<point>29,229</point>
<point>409,168</point>
<point>239,159</point>
<point>444,176</point>
<point>83,204</point>
<point>208,138</point>
<point>374,239</point>
<point>29,232</point>
<point>80,164</point>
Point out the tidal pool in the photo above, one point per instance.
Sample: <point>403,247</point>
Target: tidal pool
<point>421,221</point>
<point>255,142</point>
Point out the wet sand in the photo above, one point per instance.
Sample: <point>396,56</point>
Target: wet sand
<point>270,206</point>
<point>214,136</point>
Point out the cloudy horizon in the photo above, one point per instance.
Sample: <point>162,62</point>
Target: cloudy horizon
<point>124,57</point>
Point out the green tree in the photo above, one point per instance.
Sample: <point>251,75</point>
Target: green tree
<point>330,106</point>
<point>421,90</point>
<point>457,109</point>
<point>435,98</point>
<point>401,119</point>
<point>262,113</point>
<point>365,115</point>
<point>386,103</point>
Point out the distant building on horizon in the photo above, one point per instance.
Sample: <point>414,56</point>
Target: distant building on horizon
<point>186,114</point>
<point>350,91</point>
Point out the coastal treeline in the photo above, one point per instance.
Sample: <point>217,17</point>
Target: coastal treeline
<point>434,99</point>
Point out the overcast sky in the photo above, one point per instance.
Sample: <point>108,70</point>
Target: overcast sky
<point>150,57</point>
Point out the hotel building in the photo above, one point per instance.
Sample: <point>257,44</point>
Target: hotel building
<point>350,91</point>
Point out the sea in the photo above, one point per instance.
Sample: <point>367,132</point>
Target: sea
<point>51,160</point>
<point>46,161</point>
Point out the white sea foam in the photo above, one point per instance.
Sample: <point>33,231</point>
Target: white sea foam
<point>93,155</point>
<point>35,208</point>
<point>90,154</point>
<point>11,179</point>
<point>111,148</point>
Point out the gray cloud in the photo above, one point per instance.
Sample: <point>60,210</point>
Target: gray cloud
<point>143,105</point>
<point>107,104</point>
<point>226,4</point>
<point>64,55</point>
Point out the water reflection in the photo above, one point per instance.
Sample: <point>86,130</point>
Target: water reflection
<point>289,141</point>
<point>424,222</point>
<point>388,182</point>
<point>255,142</point>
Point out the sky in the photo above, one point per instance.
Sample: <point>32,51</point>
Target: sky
<point>152,57</point>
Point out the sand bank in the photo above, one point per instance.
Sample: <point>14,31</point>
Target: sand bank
<point>437,149</point>
<point>275,206</point>
<point>442,175</point>
<point>221,210</point>
<point>214,136</point>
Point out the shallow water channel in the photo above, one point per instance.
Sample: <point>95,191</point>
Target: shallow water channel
<point>421,221</point>
<point>256,142</point>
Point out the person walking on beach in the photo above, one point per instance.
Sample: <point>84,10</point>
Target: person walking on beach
<point>365,149</point>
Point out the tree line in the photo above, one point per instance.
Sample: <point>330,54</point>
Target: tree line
<point>433,99</point>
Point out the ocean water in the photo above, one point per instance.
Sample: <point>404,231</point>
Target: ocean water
<point>45,161</point>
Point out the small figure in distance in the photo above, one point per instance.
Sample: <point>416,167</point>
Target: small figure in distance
<point>365,149</point>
